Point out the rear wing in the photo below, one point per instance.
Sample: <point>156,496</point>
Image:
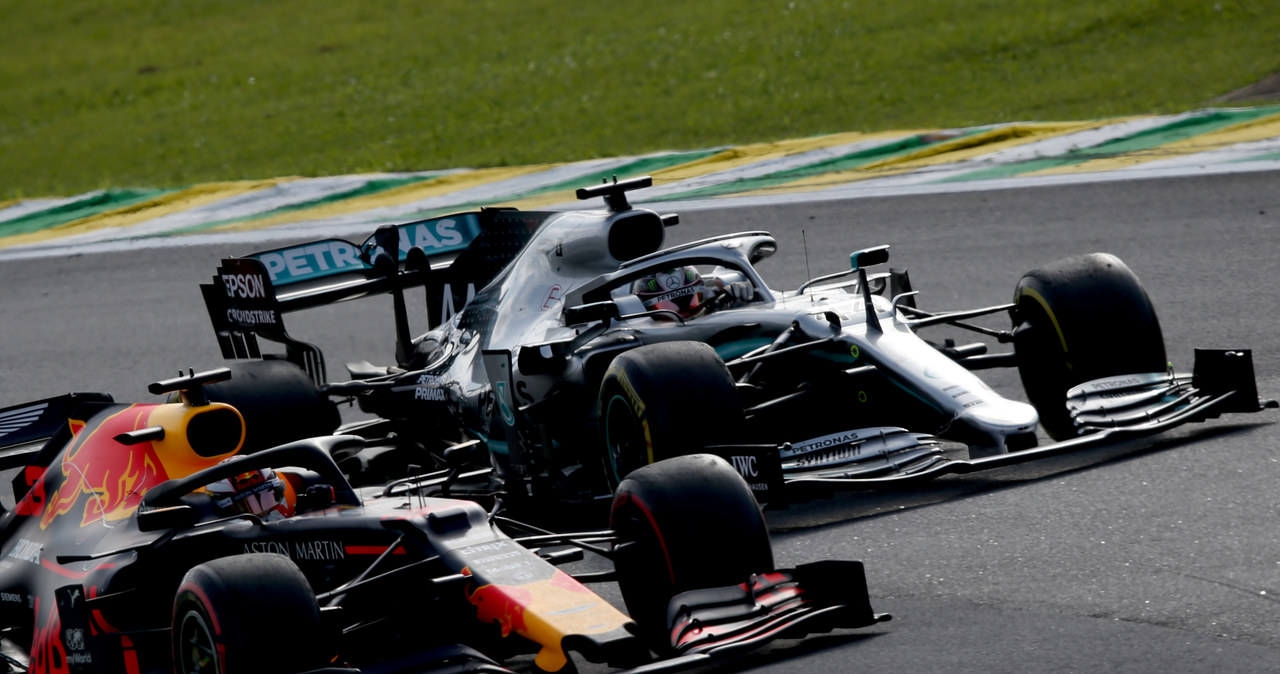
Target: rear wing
<point>452,256</point>
<point>31,434</point>
<point>40,420</point>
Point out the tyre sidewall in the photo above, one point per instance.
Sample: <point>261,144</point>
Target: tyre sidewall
<point>679,398</point>
<point>1080,319</point>
<point>278,400</point>
<point>261,609</point>
<point>695,524</point>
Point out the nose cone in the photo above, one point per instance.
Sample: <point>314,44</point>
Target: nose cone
<point>1004,415</point>
<point>995,422</point>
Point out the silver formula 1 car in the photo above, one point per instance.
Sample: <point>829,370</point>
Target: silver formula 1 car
<point>566,348</point>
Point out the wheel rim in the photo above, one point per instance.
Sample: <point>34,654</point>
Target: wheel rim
<point>624,438</point>
<point>198,652</point>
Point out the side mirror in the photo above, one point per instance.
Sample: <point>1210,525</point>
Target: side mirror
<point>416,260</point>
<point>386,261</point>
<point>869,257</point>
<point>761,251</point>
<point>547,358</point>
<point>172,517</point>
<point>587,313</point>
<point>316,497</point>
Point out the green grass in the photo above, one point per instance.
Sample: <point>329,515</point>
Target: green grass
<point>163,93</point>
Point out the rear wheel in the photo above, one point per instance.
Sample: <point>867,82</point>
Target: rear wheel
<point>662,400</point>
<point>1080,319</point>
<point>278,401</point>
<point>250,612</point>
<point>689,522</point>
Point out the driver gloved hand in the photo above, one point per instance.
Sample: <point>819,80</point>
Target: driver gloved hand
<point>742,291</point>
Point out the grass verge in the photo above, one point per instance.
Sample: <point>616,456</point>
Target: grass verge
<point>140,93</point>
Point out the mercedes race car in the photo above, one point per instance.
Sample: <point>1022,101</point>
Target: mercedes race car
<point>144,538</point>
<point>565,350</point>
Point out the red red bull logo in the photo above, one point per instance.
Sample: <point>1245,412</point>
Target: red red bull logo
<point>108,477</point>
<point>545,611</point>
<point>502,604</point>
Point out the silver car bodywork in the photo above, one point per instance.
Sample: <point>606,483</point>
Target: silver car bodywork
<point>510,378</point>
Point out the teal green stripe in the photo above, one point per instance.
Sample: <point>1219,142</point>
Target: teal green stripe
<point>1129,145</point>
<point>91,205</point>
<point>846,162</point>
<point>740,347</point>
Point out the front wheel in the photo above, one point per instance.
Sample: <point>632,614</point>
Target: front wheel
<point>246,613</point>
<point>1080,319</point>
<point>689,522</point>
<point>663,400</point>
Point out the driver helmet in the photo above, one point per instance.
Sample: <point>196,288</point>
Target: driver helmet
<point>263,493</point>
<point>680,290</point>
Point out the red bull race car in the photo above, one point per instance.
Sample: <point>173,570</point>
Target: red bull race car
<point>565,350</point>
<point>146,538</point>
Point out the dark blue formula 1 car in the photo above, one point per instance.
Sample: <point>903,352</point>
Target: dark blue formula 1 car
<point>148,538</point>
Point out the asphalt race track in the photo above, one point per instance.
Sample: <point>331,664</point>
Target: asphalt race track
<point>1156,556</point>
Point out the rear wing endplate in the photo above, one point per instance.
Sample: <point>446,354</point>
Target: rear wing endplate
<point>452,256</point>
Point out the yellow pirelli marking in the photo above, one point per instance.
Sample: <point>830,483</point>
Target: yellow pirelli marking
<point>1048,312</point>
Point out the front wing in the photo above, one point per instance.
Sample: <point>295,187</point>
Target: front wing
<point>1106,411</point>
<point>714,624</point>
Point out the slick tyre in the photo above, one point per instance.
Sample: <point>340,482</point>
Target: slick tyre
<point>246,613</point>
<point>686,523</point>
<point>1079,319</point>
<point>663,400</point>
<point>278,401</point>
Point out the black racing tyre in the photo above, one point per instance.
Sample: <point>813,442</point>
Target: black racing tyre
<point>688,522</point>
<point>1079,319</point>
<point>278,400</point>
<point>254,612</point>
<point>663,400</point>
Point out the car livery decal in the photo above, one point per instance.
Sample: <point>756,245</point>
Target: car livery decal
<point>524,595</point>
<point>59,640</point>
<point>864,444</point>
<point>320,259</point>
<point>504,403</point>
<point>47,653</point>
<point>108,477</point>
<point>105,477</point>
